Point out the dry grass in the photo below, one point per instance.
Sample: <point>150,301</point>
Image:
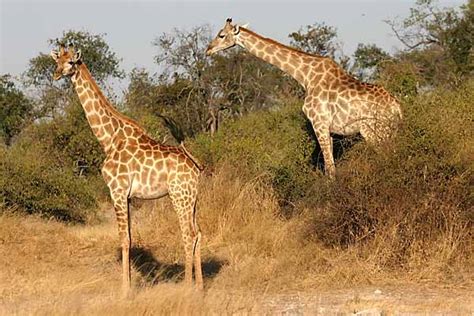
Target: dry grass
<point>254,261</point>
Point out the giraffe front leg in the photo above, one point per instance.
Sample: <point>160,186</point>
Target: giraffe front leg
<point>325,141</point>
<point>318,114</point>
<point>121,206</point>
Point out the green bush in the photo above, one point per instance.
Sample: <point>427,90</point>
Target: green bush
<point>32,182</point>
<point>69,141</point>
<point>270,144</point>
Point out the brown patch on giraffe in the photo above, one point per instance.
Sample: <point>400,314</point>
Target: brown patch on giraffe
<point>189,163</point>
<point>125,156</point>
<point>170,164</point>
<point>282,57</point>
<point>252,40</point>
<point>149,162</point>
<point>128,130</point>
<point>270,50</point>
<point>146,147</point>
<point>319,67</point>
<point>93,119</point>
<point>140,155</point>
<point>109,129</point>
<point>86,104</point>
<point>294,62</point>
<point>122,168</point>
<point>115,123</point>
<point>332,96</point>
<point>260,46</point>
<point>132,142</point>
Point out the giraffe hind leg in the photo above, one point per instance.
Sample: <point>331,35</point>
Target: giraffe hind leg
<point>197,251</point>
<point>185,208</point>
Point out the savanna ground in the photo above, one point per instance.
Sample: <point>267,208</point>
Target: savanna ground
<point>254,262</point>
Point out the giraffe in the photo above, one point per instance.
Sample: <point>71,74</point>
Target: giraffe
<point>335,102</point>
<point>136,165</point>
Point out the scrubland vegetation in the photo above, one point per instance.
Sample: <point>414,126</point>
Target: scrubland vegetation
<point>398,216</point>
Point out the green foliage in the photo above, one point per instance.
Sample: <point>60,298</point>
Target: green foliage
<point>199,93</point>
<point>402,78</point>
<point>439,41</point>
<point>54,97</point>
<point>15,110</point>
<point>318,39</point>
<point>32,182</point>
<point>69,141</point>
<point>367,60</point>
<point>269,144</point>
<point>101,60</point>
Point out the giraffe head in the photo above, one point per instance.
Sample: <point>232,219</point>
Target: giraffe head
<point>226,38</point>
<point>66,61</point>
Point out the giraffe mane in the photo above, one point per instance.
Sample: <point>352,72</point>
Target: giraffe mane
<point>266,39</point>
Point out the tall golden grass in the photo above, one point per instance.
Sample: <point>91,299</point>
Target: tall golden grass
<point>255,262</point>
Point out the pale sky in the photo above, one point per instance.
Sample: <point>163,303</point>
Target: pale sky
<point>131,26</point>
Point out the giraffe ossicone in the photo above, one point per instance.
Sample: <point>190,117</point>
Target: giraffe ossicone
<point>136,165</point>
<point>335,102</point>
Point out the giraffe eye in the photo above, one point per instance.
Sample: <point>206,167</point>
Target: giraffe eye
<point>221,35</point>
<point>71,63</point>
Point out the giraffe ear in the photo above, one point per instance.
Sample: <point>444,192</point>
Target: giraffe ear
<point>245,26</point>
<point>77,56</point>
<point>54,54</point>
<point>236,29</point>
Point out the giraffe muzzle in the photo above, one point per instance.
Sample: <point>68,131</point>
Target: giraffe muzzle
<point>209,51</point>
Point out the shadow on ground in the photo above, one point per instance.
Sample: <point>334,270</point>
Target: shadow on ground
<point>153,271</point>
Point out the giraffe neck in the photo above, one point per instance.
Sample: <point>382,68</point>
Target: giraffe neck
<point>289,60</point>
<point>104,120</point>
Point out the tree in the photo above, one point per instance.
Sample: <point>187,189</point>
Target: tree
<point>16,110</point>
<point>101,61</point>
<point>439,41</point>
<point>367,61</point>
<point>318,39</point>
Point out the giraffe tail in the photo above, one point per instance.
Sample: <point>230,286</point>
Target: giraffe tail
<point>196,162</point>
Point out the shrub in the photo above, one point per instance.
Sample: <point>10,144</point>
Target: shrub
<point>69,141</point>
<point>270,144</point>
<point>32,182</point>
